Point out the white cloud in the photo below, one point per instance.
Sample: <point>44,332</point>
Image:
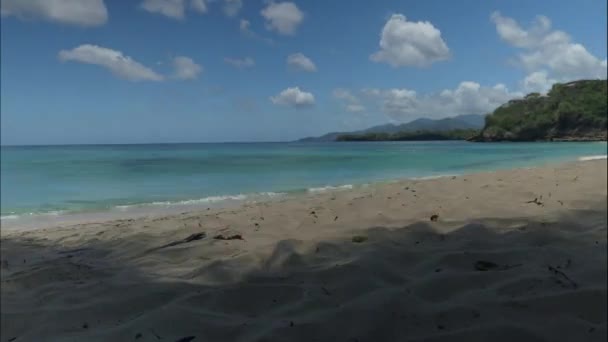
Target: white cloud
<point>245,27</point>
<point>408,43</point>
<point>199,5</point>
<point>74,12</point>
<point>232,7</point>
<point>344,94</point>
<point>240,63</point>
<point>119,64</point>
<point>511,32</point>
<point>185,68</point>
<point>467,98</point>
<point>554,50</point>
<point>350,102</point>
<point>283,17</point>
<point>174,8</point>
<point>538,81</point>
<point>294,97</point>
<point>355,108</point>
<point>298,61</point>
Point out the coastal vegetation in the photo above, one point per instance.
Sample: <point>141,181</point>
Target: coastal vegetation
<point>426,125</point>
<point>574,111</point>
<point>570,111</point>
<point>456,134</point>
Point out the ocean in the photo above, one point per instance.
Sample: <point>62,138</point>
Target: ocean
<point>47,184</point>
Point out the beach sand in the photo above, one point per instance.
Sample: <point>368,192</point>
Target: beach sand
<point>517,255</point>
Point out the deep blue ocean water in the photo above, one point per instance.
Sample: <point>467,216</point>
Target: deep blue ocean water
<point>94,178</point>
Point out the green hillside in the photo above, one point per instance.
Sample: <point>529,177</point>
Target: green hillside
<point>456,134</point>
<point>571,111</point>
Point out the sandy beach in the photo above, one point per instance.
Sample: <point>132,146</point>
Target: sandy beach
<point>515,255</point>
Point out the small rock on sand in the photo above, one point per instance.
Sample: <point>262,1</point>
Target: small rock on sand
<point>359,239</point>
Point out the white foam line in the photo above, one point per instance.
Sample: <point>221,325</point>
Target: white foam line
<point>330,188</point>
<point>210,199</point>
<point>435,177</point>
<point>50,213</point>
<point>592,157</point>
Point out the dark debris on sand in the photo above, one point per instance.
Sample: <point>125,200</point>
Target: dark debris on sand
<point>186,339</point>
<point>482,265</point>
<point>190,238</point>
<point>229,237</point>
<point>562,278</point>
<point>359,239</point>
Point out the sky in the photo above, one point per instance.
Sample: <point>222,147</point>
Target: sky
<point>155,71</point>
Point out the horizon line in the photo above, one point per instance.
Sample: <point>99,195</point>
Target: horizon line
<point>148,143</point>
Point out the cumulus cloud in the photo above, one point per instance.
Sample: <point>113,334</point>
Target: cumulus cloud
<point>408,43</point>
<point>240,63</point>
<point>510,31</point>
<point>74,12</point>
<point>467,98</point>
<point>174,9</point>
<point>294,97</point>
<point>344,94</point>
<point>355,108</point>
<point>245,27</point>
<point>351,103</point>
<point>538,81</point>
<point>298,61</point>
<point>185,68</point>
<point>553,50</point>
<point>115,61</point>
<point>199,5</point>
<point>282,17</point>
<point>232,7</point>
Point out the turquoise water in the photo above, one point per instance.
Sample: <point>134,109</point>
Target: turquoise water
<point>67,179</point>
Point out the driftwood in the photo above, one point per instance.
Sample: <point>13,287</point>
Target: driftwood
<point>190,238</point>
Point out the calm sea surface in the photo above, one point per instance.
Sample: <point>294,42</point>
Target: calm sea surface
<point>45,181</point>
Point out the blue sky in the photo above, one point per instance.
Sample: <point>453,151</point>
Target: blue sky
<point>141,71</point>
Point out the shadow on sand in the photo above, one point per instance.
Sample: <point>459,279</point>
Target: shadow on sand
<point>492,280</point>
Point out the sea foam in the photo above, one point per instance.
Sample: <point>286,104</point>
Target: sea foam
<point>32,214</point>
<point>435,176</point>
<point>585,158</point>
<point>330,188</point>
<point>205,200</point>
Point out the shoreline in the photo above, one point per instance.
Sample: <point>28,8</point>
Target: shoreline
<point>486,256</point>
<point>36,221</point>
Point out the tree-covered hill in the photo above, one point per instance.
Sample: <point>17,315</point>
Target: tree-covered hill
<point>456,134</point>
<point>572,111</point>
